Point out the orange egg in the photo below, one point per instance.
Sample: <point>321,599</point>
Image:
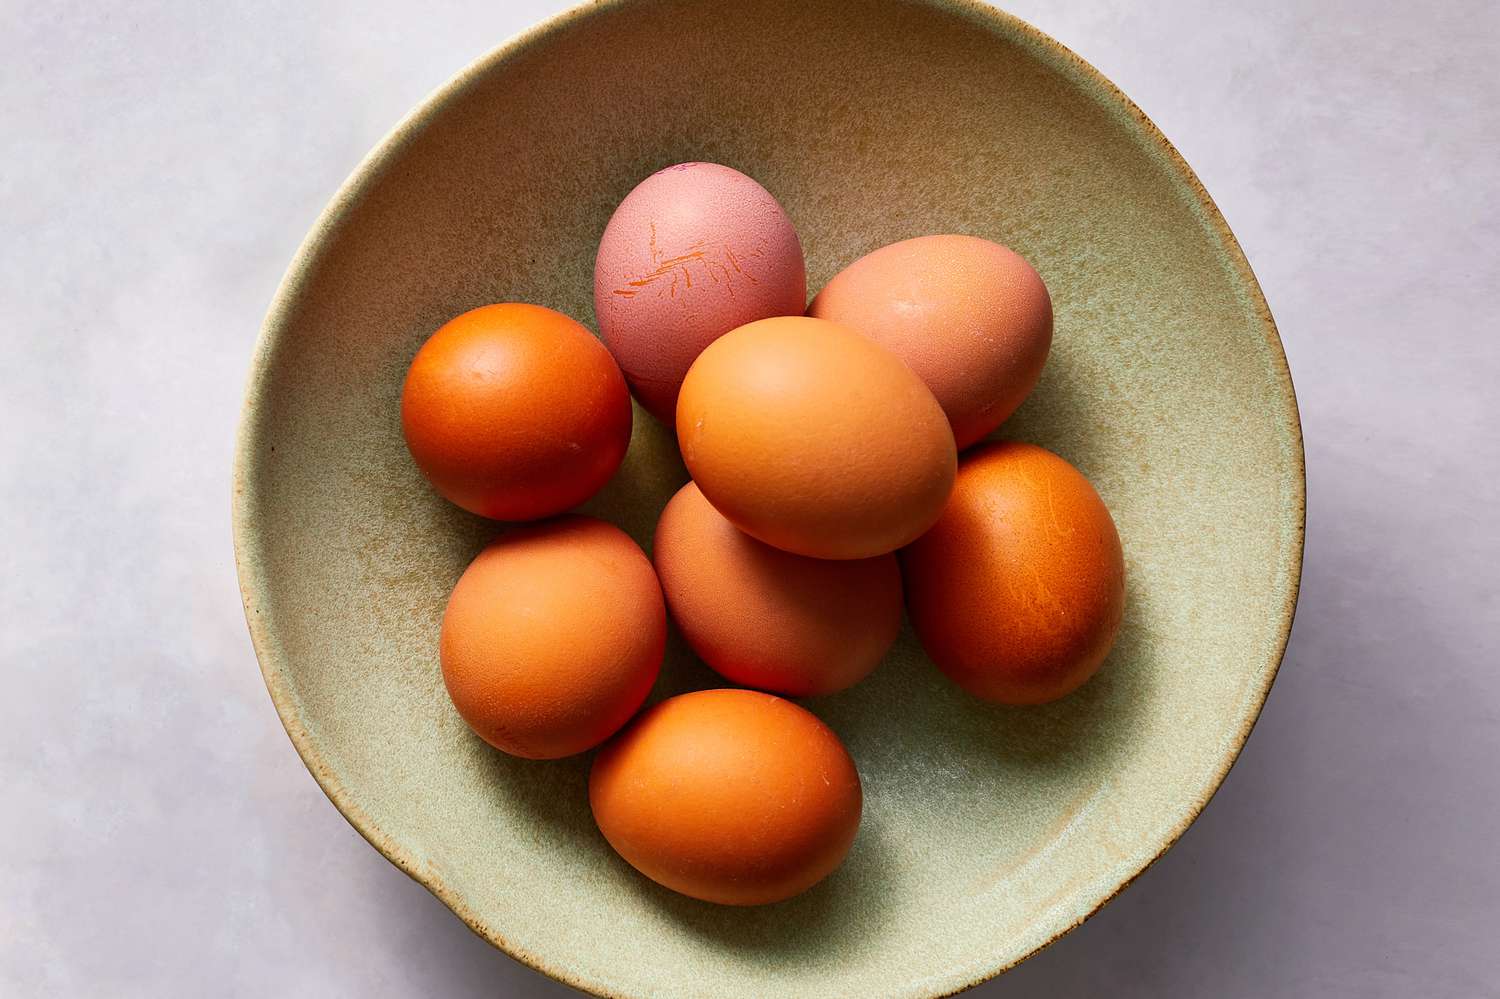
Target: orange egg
<point>515,412</point>
<point>767,618</point>
<point>814,440</point>
<point>730,796</point>
<point>1017,592</point>
<point>553,637</point>
<point>972,319</point>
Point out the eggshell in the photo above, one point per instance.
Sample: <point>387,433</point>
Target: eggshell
<point>1017,592</point>
<point>553,637</point>
<point>972,319</point>
<point>767,618</point>
<point>730,796</point>
<point>814,440</point>
<point>515,412</point>
<point>694,251</point>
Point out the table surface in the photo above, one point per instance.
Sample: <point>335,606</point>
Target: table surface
<point>163,160</point>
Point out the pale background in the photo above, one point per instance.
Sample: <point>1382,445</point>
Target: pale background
<point>159,164</point>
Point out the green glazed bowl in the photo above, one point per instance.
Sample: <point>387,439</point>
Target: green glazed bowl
<point>988,832</point>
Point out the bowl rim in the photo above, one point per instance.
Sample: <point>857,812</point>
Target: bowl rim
<point>370,169</point>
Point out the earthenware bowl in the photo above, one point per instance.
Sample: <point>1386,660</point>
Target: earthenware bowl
<point>988,832</point>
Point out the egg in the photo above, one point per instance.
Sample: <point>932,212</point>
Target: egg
<point>693,251</point>
<point>553,637</point>
<point>729,796</point>
<point>1017,592</point>
<point>767,618</point>
<point>972,319</point>
<point>811,438</point>
<point>515,412</point>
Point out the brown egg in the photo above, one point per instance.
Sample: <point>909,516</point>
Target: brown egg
<point>1018,590</point>
<point>972,319</point>
<point>553,637</point>
<point>730,796</point>
<point>767,618</point>
<point>515,412</point>
<point>814,440</point>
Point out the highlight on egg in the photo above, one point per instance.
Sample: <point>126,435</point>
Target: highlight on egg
<point>815,440</point>
<point>730,796</point>
<point>766,618</point>
<point>1018,591</point>
<point>693,251</point>
<point>972,318</point>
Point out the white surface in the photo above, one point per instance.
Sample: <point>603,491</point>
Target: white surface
<point>159,836</point>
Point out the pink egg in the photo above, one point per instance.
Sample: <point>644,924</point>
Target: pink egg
<point>693,252</point>
<point>972,319</point>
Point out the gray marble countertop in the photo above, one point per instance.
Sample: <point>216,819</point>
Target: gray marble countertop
<point>161,162</point>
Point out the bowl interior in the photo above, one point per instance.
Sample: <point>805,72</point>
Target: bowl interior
<point>987,831</point>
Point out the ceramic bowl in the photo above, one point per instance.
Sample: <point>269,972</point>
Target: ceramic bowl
<point>988,831</point>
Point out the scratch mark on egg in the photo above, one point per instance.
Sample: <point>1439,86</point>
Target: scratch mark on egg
<point>668,272</point>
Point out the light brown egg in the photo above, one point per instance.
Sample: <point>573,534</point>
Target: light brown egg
<point>1017,592</point>
<point>729,796</point>
<point>767,618</point>
<point>813,439</point>
<point>972,318</point>
<point>553,637</point>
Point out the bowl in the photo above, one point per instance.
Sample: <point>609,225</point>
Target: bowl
<point>988,831</point>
